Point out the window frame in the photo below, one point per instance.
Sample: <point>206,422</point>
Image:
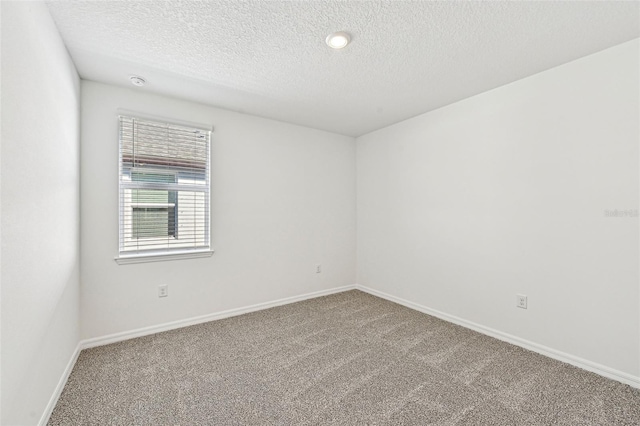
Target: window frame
<point>157,255</point>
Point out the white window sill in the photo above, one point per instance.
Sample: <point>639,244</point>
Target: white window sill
<point>161,257</point>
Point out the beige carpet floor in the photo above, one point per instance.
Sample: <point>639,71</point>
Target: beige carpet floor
<point>345,359</point>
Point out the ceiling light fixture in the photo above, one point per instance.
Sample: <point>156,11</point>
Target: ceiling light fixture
<point>137,81</point>
<point>338,40</point>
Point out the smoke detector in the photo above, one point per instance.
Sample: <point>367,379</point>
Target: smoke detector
<point>137,80</point>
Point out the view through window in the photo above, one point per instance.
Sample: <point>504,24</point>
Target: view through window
<point>164,187</point>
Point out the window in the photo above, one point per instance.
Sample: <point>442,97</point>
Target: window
<point>164,188</point>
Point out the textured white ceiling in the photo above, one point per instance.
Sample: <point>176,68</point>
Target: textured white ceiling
<point>269,58</point>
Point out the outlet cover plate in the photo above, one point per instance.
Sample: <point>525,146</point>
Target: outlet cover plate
<point>521,301</point>
<point>163,290</point>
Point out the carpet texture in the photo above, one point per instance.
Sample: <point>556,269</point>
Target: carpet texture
<point>345,359</point>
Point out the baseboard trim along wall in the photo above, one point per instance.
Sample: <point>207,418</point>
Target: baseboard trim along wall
<point>543,350</point>
<point>126,335</point>
<point>44,419</point>
<point>535,347</point>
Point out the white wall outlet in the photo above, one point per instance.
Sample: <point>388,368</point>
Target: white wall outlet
<point>163,290</point>
<point>521,301</point>
<point>318,269</point>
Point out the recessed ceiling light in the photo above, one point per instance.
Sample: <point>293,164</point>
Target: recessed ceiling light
<point>137,81</point>
<point>338,40</point>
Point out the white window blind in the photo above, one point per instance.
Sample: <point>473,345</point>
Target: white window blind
<point>164,187</point>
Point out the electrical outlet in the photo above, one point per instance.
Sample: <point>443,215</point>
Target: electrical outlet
<point>521,301</point>
<point>163,290</point>
<point>318,269</point>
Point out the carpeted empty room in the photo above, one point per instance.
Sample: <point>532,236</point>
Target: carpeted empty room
<point>319,212</point>
<point>344,359</point>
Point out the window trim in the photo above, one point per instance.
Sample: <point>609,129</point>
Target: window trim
<point>154,256</point>
<point>161,257</point>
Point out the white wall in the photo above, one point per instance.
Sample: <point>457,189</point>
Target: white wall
<point>464,207</point>
<point>40,210</point>
<point>283,200</point>
<point>458,209</point>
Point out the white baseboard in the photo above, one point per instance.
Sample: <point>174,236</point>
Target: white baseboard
<point>60,386</point>
<point>600,369</point>
<point>126,335</point>
<point>118,337</point>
